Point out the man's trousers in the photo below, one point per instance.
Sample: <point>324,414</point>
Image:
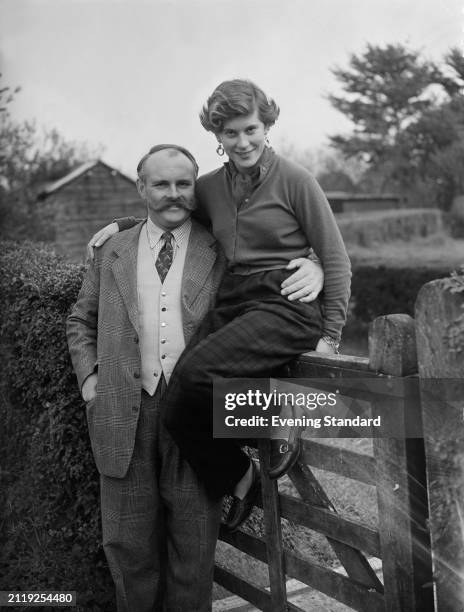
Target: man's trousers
<point>159,526</point>
<point>253,331</point>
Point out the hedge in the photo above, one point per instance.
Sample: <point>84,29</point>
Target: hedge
<point>50,523</point>
<point>379,290</point>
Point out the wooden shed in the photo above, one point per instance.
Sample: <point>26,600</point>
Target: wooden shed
<point>85,200</point>
<point>342,202</point>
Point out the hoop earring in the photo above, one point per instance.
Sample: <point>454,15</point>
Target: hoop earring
<point>266,141</point>
<point>220,149</point>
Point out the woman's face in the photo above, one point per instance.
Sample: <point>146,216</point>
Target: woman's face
<point>243,139</point>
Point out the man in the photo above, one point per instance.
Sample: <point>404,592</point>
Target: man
<point>141,299</point>
<point>143,296</point>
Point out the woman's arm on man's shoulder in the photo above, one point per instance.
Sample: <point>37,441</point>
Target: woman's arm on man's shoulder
<point>118,225</point>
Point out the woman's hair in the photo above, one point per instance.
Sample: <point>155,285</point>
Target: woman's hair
<point>234,99</point>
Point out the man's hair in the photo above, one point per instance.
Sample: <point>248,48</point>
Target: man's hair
<point>236,98</point>
<point>176,150</point>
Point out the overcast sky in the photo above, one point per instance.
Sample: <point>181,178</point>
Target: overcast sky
<point>128,74</point>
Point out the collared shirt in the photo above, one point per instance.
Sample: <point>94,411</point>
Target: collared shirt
<point>180,234</point>
<point>244,183</point>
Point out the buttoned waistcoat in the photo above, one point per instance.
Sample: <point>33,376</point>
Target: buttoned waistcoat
<point>103,335</point>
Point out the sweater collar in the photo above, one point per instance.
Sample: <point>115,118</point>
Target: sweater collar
<point>259,170</point>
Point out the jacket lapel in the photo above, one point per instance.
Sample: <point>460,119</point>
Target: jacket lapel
<point>125,271</point>
<point>199,260</point>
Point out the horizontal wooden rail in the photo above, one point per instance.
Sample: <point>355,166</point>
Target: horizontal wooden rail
<point>334,585</point>
<point>328,523</point>
<point>246,542</point>
<point>345,462</point>
<point>348,362</point>
<point>316,365</point>
<point>258,596</point>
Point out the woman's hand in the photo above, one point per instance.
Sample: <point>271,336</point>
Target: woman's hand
<point>324,347</point>
<point>306,283</point>
<point>101,237</point>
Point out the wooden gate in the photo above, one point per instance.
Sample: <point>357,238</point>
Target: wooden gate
<point>397,469</point>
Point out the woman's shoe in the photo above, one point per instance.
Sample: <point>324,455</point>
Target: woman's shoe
<point>285,453</point>
<point>240,509</point>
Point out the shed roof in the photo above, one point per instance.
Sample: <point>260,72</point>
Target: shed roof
<point>75,174</point>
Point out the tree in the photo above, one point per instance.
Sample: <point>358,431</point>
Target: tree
<point>451,78</point>
<point>385,90</point>
<point>406,112</point>
<point>336,173</point>
<point>436,140</point>
<point>30,157</point>
<point>437,151</point>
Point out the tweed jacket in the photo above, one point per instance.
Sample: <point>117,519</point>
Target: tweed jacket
<point>102,332</point>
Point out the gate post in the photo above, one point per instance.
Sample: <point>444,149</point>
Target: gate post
<point>440,349</point>
<point>401,478</point>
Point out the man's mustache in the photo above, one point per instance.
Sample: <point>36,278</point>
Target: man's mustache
<point>181,202</point>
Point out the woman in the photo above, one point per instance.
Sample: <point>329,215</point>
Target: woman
<point>265,211</point>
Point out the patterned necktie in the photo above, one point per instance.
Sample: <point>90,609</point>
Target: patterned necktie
<point>164,260</point>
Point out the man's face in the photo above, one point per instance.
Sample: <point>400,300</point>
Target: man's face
<point>168,188</point>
